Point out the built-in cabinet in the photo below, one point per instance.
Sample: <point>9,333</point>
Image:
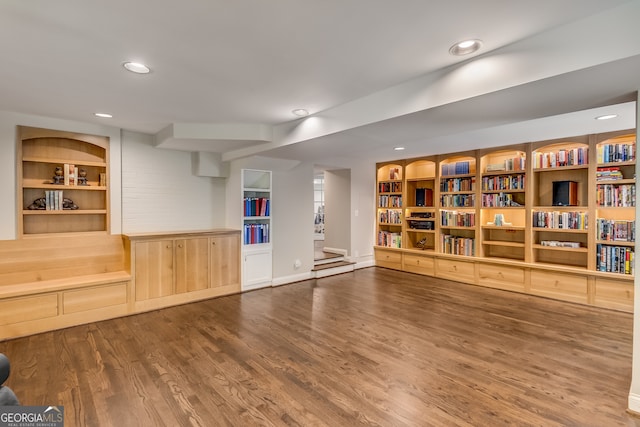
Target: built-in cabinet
<point>170,268</point>
<point>552,218</point>
<point>49,202</point>
<point>256,229</point>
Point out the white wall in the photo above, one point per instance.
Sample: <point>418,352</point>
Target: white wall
<point>160,192</point>
<point>8,186</point>
<point>292,200</point>
<point>363,212</point>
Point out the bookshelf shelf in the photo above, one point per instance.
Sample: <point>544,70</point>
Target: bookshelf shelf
<point>65,212</point>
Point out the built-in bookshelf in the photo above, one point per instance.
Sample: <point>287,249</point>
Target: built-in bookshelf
<point>390,204</point>
<point>615,200</point>
<point>256,228</point>
<point>62,182</point>
<point>563,205</point>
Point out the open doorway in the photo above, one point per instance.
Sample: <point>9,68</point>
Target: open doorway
<point>332,221</point>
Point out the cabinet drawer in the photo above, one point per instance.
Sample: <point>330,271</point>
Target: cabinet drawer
<point>616,294</point>
<point>567,287</point>
<point>389,259</point>
<point>94,298</point>
<point>460,271</point>
<point>419,264</point>
<point>501,277</point>
<point>24,309</point>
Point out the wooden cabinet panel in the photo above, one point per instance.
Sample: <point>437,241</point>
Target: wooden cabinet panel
<point>23,309</point>
<point>501,277</point>
<point>567,287</point>
<point>225,262</point>
<point>94,298</point>
<point>616,294</point>
<point>192,264</point>
<point>388,259</point>
<point>153,269</point>
<point>461,271</point>
<point>419,264</point>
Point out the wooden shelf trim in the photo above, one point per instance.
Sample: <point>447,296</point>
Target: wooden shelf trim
<point>63,161</point>
<point>65,212</point>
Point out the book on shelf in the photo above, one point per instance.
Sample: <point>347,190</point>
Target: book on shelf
<point>53,200</point>
<point>256,234</point>
<point>390,187</point>
<point>389,239</point>
<point>102,179</point>
<point>256,206</point>
<point>577,220</point>
<point>615,259</point>
<point>457,245</point>
<point>560,244</point>
<point>609,174</point>
<point>616,230</point>
<point>456,168</point>
<point>615,195</point>
<point>610,153</point>
<point>566,157</point>
<point>394,173</point>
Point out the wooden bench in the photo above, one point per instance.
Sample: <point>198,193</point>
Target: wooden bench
<point>58,281</point>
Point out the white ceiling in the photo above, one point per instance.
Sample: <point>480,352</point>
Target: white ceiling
<point>373,73</point>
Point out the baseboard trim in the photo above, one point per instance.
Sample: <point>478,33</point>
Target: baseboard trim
<point>634,403</point>
<point>339,251</point>
<point>285,280</point>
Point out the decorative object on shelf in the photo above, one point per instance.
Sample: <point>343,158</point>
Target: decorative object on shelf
<point>41,204</point>
<point>498,219</point>
<point>82,177</point>
<point>58,177</point>
<point>422,243</point>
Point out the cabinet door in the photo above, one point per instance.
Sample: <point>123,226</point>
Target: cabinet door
<point>192,264</point>
<point>225,261</point>
<point>153,269</point>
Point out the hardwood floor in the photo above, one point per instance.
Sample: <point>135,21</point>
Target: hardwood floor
<point>372,347</point>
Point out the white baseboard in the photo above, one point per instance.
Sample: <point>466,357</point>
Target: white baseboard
<point>364,264</point>
<point>291,279</point>
<point>634,403</point>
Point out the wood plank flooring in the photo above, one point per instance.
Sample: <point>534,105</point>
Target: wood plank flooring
<point>374,347</point>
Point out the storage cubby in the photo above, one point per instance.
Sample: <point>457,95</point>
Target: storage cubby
<point>51,202</point>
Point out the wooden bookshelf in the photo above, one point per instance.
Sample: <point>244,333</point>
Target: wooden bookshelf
<point>508,217</point>
<point>40,152</point>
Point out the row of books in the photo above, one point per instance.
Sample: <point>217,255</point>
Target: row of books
<point>609,153</point>
<point>390,216</point>
<point>612,195</point>
<point>256,233</point>
<point>457,245</point>
<point>609,174</point>
<point>616,230</point>
<point>457,168</point>
<point>561,220</point>
<point>53,200</point>
<point>458,184</point>
<point>513,164</point>
<point>390,187</point>
<point>567,157</point>
<point>499,200</point>
<point>386,201</point>
<point>389,239</point>
<point>458,200</point>
<point>504,182</point>
<point>614,259</point>
<point>257,206</point>
<point>457,219</point>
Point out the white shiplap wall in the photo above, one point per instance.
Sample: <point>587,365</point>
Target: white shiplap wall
<point>160,192</point>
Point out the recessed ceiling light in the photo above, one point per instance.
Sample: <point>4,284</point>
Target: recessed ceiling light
<point>607,117</point>
<point>300,112</point>
<point>103,115</point>
<point>398,148</point>
<point>136,67</point>
<point>465,47</point>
